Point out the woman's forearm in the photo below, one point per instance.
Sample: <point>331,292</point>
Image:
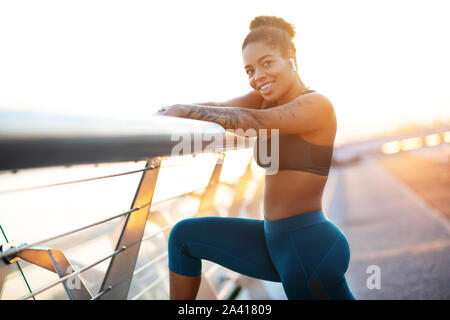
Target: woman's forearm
<point>211,104</point>
<point>227,117</point>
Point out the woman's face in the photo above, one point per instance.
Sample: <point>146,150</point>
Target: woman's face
<point>268,72</point>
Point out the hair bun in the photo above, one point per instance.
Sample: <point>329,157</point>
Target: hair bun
<point>272,21</point>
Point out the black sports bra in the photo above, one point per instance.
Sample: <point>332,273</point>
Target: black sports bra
<point>295,153</point>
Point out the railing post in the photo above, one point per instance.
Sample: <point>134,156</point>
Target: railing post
<point>55,260</point>
<point>240,189</point>
<point>206,206</point>
<point>120,271</point>
<point>254,207</point>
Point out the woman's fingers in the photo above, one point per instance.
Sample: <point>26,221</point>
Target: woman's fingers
<point>162,110</point>
<point>176,110</point>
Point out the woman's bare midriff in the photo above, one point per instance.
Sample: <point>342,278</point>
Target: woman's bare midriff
<point>288,193</point>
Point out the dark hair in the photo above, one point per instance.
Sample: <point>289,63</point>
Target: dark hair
<point>273,31</point>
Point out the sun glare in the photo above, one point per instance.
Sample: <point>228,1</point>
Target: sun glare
<point>433,140</point>
<point>411,144</point>
<point>391,147</point>
<point>446,136</point>
<point>128,60</point>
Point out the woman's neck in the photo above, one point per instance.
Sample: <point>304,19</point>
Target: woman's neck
<point>295,91</point>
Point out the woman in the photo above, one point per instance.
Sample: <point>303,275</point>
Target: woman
<point>295,243</point>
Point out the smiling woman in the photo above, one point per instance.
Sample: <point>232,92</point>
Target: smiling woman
<point>267,73</point>
<point>295,243</point>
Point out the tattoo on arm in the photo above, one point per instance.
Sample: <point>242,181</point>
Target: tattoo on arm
<point>227,117</point>
<point>287,111</point>
<point>243,118</point>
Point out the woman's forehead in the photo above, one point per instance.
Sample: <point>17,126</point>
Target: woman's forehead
<point>258,50</point>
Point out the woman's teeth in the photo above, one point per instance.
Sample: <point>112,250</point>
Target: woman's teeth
<point>266,86</point>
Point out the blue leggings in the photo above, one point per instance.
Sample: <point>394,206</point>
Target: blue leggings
<point>306,252</point>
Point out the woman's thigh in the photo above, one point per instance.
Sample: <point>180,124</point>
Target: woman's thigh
<point>312,262</point>
<point>235,243</point>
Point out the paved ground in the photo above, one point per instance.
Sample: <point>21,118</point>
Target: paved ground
<point>427,177</point>
<point>390,226</point>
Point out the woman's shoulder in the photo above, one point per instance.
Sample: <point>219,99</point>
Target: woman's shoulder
<point>314,93</point>
<point>316,98</point>
<point>321,106</point>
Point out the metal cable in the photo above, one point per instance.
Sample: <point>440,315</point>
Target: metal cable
<point>101,293</point>
<point>157,232</point>
<point>180,195</point>
<point>54,283</point>
<point>152,262</point>
<point>165,228</point>
<point>110,287</point>
<point>18,265</point>
<point>15,250</point>
<point>158,258</point>
<point>92,179</point>
<point>153,284</point>
<point>78,181</point>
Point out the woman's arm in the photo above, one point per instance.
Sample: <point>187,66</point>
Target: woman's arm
<point>303,114</point>
<point>251,100</point>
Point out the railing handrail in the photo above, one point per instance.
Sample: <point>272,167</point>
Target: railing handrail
<point>32,139</point>
<point>39,140</point>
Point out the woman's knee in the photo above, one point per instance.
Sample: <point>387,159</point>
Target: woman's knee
<point>178,231</point>
<point>180,261</point>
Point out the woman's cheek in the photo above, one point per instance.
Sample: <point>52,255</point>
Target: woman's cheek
<point>251,82</point>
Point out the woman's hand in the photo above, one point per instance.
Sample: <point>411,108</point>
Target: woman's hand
<point>176,110</point>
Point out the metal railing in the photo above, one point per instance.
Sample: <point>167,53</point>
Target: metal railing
<point>32,141</point>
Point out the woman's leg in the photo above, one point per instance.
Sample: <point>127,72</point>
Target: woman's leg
<point>331,271</point>
<point>183,287</point>
<point>235,243</point>
<point>311,255</point>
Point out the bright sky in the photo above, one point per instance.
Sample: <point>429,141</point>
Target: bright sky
<point>380,62</point>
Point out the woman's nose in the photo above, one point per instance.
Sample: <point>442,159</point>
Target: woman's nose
<point>259,75</point>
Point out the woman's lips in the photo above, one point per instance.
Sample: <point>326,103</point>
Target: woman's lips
<point>267,88</point>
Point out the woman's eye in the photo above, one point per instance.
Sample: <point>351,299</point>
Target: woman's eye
<point>249,72</point>
<point>267,63</point>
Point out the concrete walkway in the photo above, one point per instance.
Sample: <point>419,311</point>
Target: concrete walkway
<point>388,226</point>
